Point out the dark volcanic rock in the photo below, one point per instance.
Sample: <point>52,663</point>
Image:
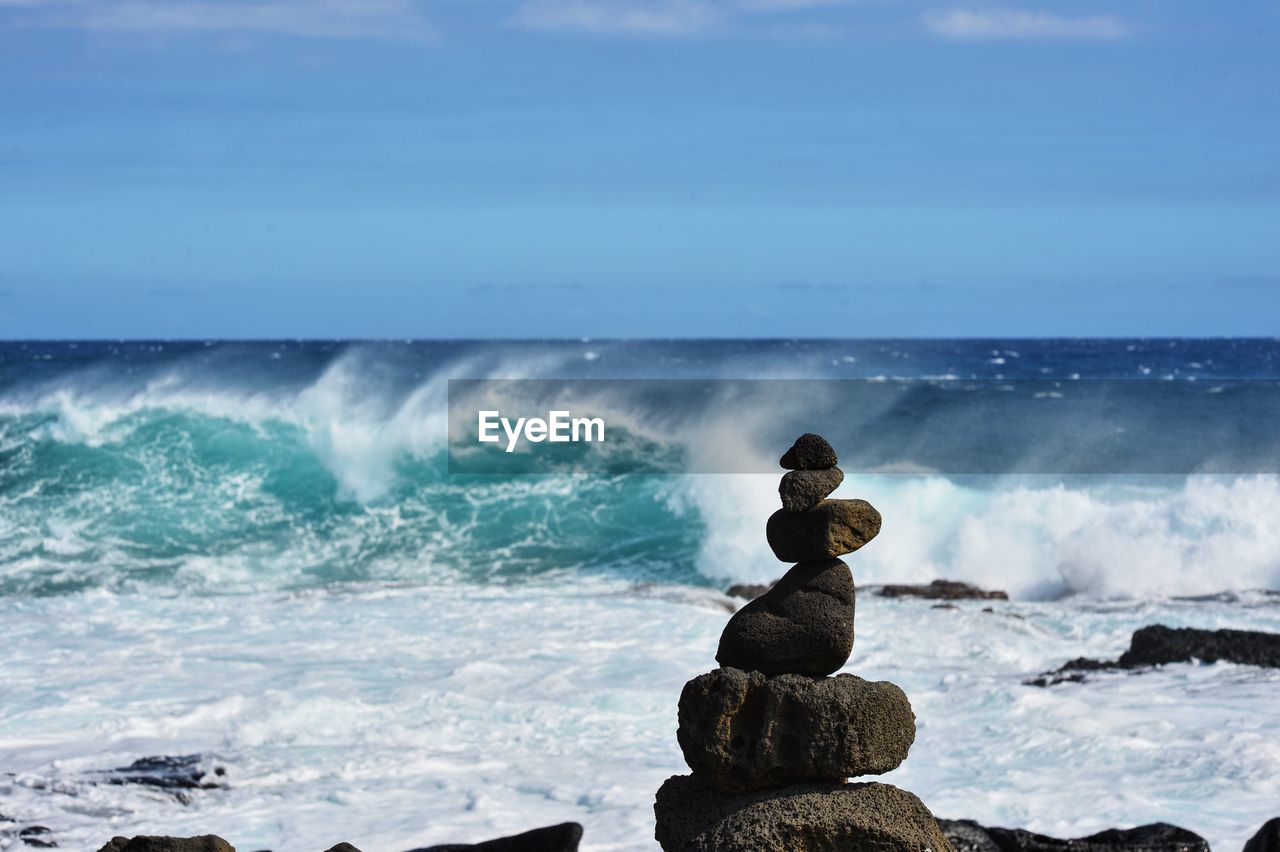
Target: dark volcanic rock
<point>820,817</point>
<point>39,836</point>
<point>1267,839</point>
<point>969,836</point>
<point>342,847</point>
<point>554,838</point>
<point>748,590</point>
<point>830,529</point>
<point>803,625</point>
<point>143,843</point>
<point>742,731</point>
<point>1156,645</point>
<point>809,452</point>
<point>941,590</point>
<point>801,490</point>
<point>168,772</point>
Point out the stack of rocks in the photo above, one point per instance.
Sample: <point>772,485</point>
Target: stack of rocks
<point>770,736</point>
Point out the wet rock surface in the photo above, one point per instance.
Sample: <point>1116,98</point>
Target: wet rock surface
<point>969,836</point>
<point>1267,838</point>
<point>149,843</point>
<point>831,529</point>
<point>1156,645</point>
<point>803,625</point>
<point>742,731</point>
<point>553,838</point>
<point>817,817</point>
<point>941,590</point>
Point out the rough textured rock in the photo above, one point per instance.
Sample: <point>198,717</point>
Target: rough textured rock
<point>803,625</point>
<point>742,731</point>
<point>1157,644</point>
<point>821,817</point>
<point>942,590</point>
<point>801,490</point>
<point>809,452</point>
<point>830,529</point>
<point>554,838</point>
<point>146,843</point>
<point>969,836</point>
<point>1267,839</point>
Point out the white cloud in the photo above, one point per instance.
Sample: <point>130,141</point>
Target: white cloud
<point>314,18</point>
<point>1008,24</point>
<point>644,17</point>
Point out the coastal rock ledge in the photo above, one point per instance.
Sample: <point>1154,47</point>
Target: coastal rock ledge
<point>818,817</point>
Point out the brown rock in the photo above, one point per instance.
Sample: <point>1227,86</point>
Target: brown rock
<point>803,625</point>
<point>817,817</point>
<point>942,590</point>
<point>830,529</point>
<point>742,731</point>
<point>801,490</point>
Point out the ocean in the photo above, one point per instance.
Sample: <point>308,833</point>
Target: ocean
<point>255,553</point>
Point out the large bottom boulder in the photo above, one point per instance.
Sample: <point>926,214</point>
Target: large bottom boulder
<point>743,731</point>
<point>817,817</point>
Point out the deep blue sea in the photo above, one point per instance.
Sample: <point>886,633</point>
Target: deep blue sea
<point>256,552</point>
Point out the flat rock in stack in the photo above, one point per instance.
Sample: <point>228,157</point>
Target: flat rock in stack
<point>801,490</point>
<point>803,625</point>
<point>817,817</point>
<point>832,528</point>
<point>809,452</point>
<point>742,731</point>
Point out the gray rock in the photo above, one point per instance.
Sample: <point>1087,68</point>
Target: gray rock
<point>155,843</point>
<point>553,838</point>
<point>803,625</point>
<point>969,836</point>
<point>809,452</point>
<point>820,817</point>
<point>801,490</point>
<point>942,590</point>
<point>748,590</point>
<point>830,529</point>
<point>1267,839</point>
<point>742,731</point>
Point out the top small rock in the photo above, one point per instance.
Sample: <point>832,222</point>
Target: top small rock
<point>809,452</point>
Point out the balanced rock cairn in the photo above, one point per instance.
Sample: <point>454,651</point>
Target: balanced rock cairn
<point>770,736</point>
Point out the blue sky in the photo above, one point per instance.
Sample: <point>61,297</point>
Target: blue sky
<point>529,168</point>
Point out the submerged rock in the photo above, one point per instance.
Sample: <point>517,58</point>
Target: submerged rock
<point>819,817</point>
<point>969,836</point>
<point>554,838</point>
<point>809,452</point>
<point>831,529</point>
<point>1267,839</point>
<point>801,490</point>
<point>148,843</point>
<point>742,731</point>
<point>941,590</point>
<point>803,625</point>
<point>1156,645</point>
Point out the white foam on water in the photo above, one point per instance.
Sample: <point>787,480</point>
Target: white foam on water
<point>398,717</point>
